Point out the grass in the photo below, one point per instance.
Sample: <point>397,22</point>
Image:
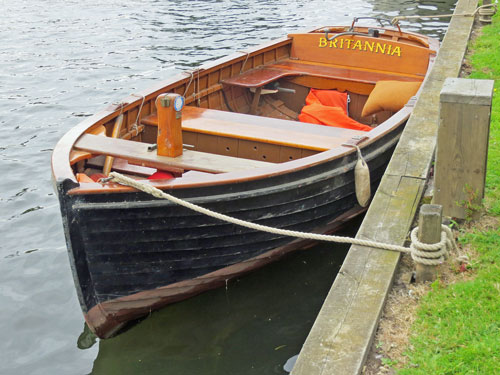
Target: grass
<point>485,62</point>
<point>457,329</point>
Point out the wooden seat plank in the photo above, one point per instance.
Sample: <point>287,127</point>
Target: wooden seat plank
<point>137,152</point>
<point>342,72</point>
<point>263,75</point>
<point>258,77</point>
<point>261,129</point>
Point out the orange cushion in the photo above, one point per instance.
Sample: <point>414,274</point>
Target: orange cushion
<point>330,116</point>
<point>332,98</point>
<point>389,96</point>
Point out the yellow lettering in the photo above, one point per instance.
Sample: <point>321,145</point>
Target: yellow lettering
<point>397,51</point>
<point>380,48</point>
<point>360,45</point>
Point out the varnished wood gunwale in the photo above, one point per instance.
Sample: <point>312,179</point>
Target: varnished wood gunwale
<point>395,121</point>
<point>62,170</point>
<point>119,265</point>
<point>291,68</point>
<point>412,37</point>
<point>242,176</point>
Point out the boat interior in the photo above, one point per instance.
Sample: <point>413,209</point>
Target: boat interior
<point>246,111</point>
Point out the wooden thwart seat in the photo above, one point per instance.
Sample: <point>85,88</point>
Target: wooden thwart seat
<point>137,153</point>
<point>264,75</point>
<point>261,129</point>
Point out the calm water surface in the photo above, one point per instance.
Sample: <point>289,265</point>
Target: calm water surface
<point>61,61</point>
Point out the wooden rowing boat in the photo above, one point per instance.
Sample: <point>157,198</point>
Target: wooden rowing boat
<point>236,148</point>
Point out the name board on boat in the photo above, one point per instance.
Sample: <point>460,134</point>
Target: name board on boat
<point>361,45</point>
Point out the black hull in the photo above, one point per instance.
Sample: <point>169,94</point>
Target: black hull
<point>124,245</point>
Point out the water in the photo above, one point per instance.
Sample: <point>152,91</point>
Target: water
<point>63,60</point>
<point>250,327</point>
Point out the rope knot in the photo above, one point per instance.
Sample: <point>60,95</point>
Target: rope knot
<point>432,254</point>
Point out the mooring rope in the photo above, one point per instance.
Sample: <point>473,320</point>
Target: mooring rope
<point>428,254</point>
<point>487,9</point>
<point>432,254</point>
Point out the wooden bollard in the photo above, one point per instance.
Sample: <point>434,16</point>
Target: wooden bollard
<point>169,139</point>
<point>462,146</point>
<point>485,15</point>
<point>429,232</point>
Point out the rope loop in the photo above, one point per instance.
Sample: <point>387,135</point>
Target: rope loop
<point>432,254</point>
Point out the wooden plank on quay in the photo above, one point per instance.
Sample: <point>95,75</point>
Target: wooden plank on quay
<point>341,336</point>
<point>351,310</point>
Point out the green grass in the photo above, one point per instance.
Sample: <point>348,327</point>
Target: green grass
<point>486,65</point>
<point>457,330</point>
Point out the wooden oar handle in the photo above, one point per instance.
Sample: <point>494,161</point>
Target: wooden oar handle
<point>108,162</point>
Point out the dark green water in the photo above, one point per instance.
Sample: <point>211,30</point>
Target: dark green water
<point>250,327</point>
<point>61,61</point>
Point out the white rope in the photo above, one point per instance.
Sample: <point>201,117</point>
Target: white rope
<point>191,72</point>
<point>482,9</point>
<point>244,62</point>
<point>135,126</point>
<point>429,254</point>
<point>432,254</point>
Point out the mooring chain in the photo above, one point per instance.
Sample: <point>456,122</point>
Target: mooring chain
<point>429,254</point>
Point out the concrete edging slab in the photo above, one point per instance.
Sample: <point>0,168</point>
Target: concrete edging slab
<point>341,336</point>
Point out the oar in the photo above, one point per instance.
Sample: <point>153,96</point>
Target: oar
<point>108,163</point>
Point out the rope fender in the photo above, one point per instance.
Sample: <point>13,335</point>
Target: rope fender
<point>428,254</point>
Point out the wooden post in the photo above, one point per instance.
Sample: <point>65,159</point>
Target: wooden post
<point>429,232</point>
<point>485,14</point>
<point>255,101</point>
<point>169,137</point>
<point>462,146</point>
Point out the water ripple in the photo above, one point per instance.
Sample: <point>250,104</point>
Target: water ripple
<point>61,61</point>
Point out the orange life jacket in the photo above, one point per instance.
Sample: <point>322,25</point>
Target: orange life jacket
<point>329,107</point>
